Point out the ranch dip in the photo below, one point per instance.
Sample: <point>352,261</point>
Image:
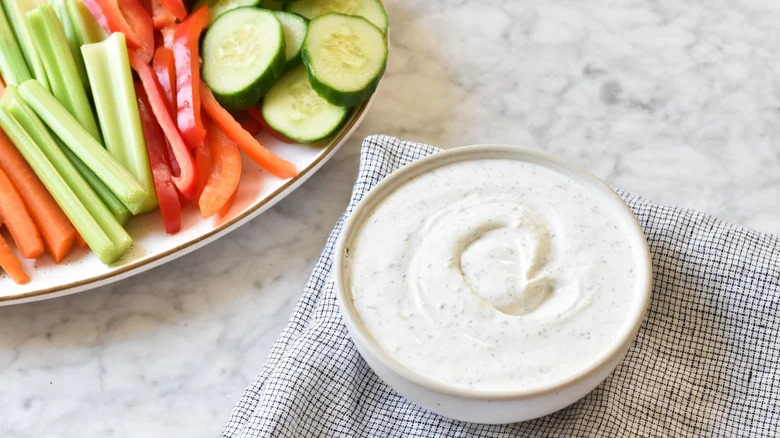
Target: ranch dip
<point>494,274</point>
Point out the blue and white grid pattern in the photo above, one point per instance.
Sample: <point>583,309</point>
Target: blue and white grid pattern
<point>706,362</point>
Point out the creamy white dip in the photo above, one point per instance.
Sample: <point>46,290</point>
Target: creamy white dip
<point>494,274</point>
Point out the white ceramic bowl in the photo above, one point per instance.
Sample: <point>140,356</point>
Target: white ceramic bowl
<point>477,405</point>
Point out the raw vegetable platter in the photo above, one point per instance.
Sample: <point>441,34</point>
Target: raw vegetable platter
<point>135,131</point>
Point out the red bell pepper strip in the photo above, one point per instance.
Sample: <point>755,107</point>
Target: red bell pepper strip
<point>102,18</point>
<point>2,87</point>
<point>147,4</point>
<point>247,122</point>
<point>168,33</point>
<point>186,180</point>
<point>174,165</point>
<point>259,154</point>
<point>128,17</point>
<point>161,16</point>
<point>141,23</point>
<point>203,165</point>
<point>185,51</point>
<point>226,208</point>
<point>165,68</point>
<point>175,7</point>
<point>167,197</point>
<point>224,174</point>
<point>257,115</point>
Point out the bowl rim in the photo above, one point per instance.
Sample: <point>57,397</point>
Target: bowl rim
<point>481,151</point>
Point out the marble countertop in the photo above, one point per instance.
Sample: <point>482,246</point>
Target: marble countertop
<point>678,101</point>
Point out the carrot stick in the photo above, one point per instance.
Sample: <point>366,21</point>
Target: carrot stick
<point>247,122</point>
<point>2,86</point>
<point>18,220</point>
<point>80,242</point>
<point>224,173</point>
<point>259,154</point>
<point>160,160</point>
<point>11,264</point>
<point>55,228</point>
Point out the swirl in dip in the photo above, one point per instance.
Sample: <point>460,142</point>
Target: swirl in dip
<point>494,274</point>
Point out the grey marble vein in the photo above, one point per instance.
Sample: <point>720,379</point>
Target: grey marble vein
<point>675,100</point>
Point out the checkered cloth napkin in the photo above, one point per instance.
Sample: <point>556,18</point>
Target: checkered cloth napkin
<point>706,361</point>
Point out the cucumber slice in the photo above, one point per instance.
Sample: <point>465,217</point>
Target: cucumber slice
<point>371,10</point>
<point>243,55</point>
<point>219,7</point>
<point>346,57</point>
<point>274,5</point>
<point>294,27</point>
<point>294,109</point>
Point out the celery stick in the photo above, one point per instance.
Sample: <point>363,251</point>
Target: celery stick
<point>87,28</point>
<point>35,128</point>
<point>111,81</point>
<point>48,144</point>
<point>117,209</point>
<point>61,9</point>
<point>61,185</point>
<point>13,67</point>
<point>61,69</point>
<point>89,150</point>
<point>16,10</point>
<point>77,213</point>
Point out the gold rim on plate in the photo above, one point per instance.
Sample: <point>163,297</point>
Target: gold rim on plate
<point>327,153</point>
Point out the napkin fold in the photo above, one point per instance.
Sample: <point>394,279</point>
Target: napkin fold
<point>705,362</point>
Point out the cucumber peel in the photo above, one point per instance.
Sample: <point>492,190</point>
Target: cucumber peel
<point>295,110</point>
<point>274,5</point>
<point>371,10</point>
<point>219,7</point>
<point>243,55</point>
<point>294,28</point>
<point>346,57</point>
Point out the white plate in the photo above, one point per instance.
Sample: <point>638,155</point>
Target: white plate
<point>257,192</point>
